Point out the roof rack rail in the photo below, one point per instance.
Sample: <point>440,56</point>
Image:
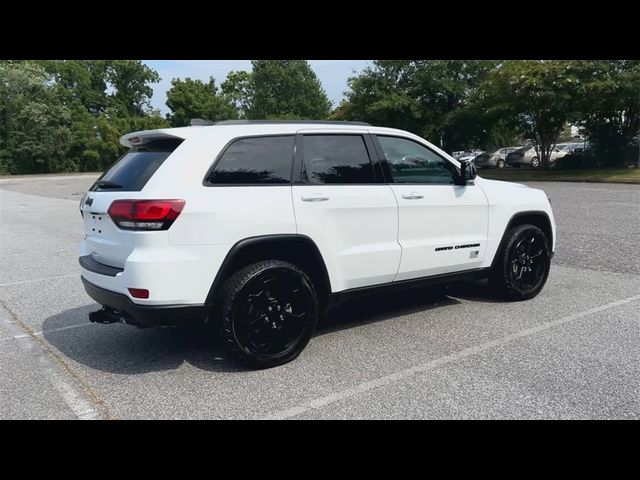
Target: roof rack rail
<point>200,122</point>
<point>313,122</point>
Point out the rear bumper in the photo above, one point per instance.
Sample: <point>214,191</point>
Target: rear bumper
<point>120,307</point>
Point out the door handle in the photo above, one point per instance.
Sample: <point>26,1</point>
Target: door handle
<point>314,198</point>
<point>412,196</point>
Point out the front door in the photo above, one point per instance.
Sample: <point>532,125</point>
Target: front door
<point>442,226</point>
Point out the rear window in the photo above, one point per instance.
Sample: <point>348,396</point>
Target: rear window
<point>134,169</point>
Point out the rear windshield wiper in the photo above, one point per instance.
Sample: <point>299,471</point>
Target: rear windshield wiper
<point>107,184</point>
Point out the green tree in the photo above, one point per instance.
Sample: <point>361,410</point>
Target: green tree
<point>34,122</point>
<point>536,96</point>
<point>81,81</point>
<point>285,89</point>
<point>608,106</point>
<point>237,88</point>
<point>130,81</point>
<point>189,99</point>
<point>427,97</point>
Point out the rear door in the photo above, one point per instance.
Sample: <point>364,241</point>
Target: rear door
<point>107,243</point>
<point>343,204</point>
<point>442,226</point>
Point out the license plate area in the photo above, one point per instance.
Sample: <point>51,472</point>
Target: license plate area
<point>95,223</point>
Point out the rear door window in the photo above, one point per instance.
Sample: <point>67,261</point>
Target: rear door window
<point>336,159</point>
<point>134,169</point>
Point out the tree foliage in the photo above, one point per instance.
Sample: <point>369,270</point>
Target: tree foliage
<point>285,89</point>
<point>34,122</point>
<point>67,115</point>
<point>535,96</point>
<point>238,89</point>
<point>428,97</point>
<point>608,106</point>
<point>189,99</point>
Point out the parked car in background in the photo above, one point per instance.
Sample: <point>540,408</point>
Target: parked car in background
<point>467,154</point>
<point>528,156</point>
<point>494,160</point>
<point>573,147</point>
<point>473,156</point>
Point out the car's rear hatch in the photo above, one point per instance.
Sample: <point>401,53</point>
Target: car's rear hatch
<point>106,243</point>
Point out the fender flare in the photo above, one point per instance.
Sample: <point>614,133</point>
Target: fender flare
<point>513,218</point>
<point>242,245</point>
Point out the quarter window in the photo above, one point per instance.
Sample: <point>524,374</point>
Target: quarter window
<point>411,162</point>
<point>255,161</point>
<point>336,159</point>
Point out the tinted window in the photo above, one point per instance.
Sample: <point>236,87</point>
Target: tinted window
<point>134,169</point>
<point>255,161</point>
<point>336,159</point>
<point>410,162</point>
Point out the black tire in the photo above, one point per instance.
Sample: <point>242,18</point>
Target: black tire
<point>523,263</point>
<point>500,164</point>
<point>258,307</point>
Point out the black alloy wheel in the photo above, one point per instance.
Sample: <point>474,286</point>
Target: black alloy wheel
<point>523,264</point>
<point>529,261</point>
<point>269,310</point>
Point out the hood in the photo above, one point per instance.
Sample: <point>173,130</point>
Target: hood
<point>500,183</point>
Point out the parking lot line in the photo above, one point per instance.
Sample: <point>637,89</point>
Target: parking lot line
<point>39,279</point>
<point>86,405</point>
<point>53,330</point>
<point>403,374</point>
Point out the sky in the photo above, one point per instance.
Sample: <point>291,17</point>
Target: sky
<point>332,73</point>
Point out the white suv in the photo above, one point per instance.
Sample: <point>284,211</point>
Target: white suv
<point>260,227</point>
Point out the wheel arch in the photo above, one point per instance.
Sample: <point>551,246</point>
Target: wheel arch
<point>294,248</point>
<point>539,218</point>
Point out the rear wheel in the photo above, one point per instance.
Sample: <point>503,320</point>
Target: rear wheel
<point>535,162</point>
<point>269,312</point>
<point>523,264</point>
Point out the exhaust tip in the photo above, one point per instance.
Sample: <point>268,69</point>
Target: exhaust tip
<point>104,316</point>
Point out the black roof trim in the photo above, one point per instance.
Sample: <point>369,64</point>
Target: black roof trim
<point>313,122</point>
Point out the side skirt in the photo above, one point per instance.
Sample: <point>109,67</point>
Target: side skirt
<point>337,298</point>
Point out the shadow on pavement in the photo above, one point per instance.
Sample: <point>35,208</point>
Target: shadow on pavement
<point>123,349</point>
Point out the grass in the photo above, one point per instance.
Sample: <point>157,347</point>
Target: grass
<point>609,175</point>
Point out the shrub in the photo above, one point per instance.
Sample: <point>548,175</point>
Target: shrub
<point>576,161</point>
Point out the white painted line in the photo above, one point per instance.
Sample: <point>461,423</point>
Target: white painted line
<point>438,362</point>
<point>53,330</point>
<point>82,408</point>
<point>56,372</point>
<point>39,279</point>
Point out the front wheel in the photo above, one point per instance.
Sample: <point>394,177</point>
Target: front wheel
<point>523,264</point>
<point>500,164</point>
<point>269,311</point>
<point>535,162</point>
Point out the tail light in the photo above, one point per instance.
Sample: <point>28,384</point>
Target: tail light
<point>145,214</point>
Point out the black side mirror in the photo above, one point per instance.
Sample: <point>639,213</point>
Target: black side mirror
<point>467,172</point>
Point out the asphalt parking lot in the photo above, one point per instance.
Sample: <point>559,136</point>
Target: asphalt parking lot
<point>572,352</point>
